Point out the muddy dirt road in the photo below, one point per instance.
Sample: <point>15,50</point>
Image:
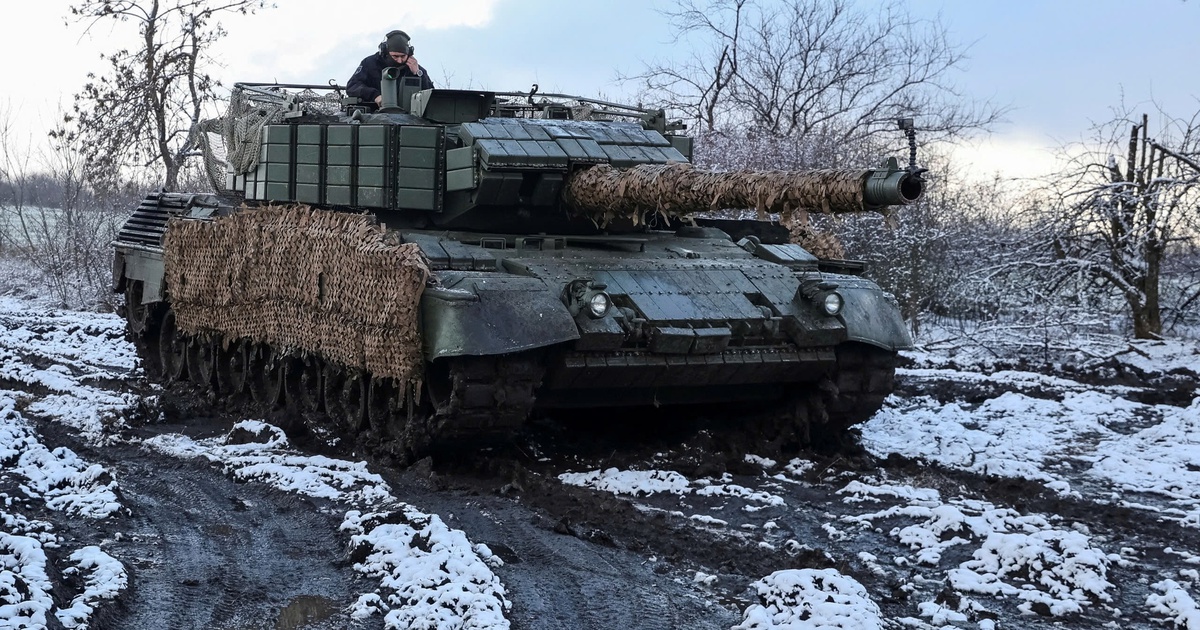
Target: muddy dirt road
<point>978,499</point>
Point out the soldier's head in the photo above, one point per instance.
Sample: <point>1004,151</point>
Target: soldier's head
<point>398,46</point>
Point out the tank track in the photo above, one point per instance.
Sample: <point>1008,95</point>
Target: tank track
<point>822,416</point>
<point>461,399</point>
<point>866,376</point>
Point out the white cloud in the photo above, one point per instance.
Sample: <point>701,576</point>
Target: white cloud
<point>1013,155</point>
<point>289,41</point>
<point>48,57</point>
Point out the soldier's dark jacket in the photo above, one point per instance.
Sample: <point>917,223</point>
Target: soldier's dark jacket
<point>365,82</point>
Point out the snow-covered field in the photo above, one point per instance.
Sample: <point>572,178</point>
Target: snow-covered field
<point>936,540</point>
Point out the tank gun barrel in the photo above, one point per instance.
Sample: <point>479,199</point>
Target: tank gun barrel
<point>606,193</point>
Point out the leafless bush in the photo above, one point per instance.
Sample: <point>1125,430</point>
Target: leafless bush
<point>49,219</point>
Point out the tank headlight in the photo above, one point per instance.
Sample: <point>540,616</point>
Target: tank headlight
<point>599,304</point>
<point>832,303</point>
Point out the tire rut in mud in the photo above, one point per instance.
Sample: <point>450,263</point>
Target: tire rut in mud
<point>204,551</point>
<point>557,580</point>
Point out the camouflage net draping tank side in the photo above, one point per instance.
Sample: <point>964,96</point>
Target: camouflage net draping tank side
<point>294,277</point>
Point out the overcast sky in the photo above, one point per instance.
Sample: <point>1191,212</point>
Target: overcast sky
<point>1061,65</point>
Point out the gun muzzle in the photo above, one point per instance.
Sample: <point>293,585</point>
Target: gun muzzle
<point>892,186</point>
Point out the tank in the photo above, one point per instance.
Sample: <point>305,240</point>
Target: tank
<point>438,270</point>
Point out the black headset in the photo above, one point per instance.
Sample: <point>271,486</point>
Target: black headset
<point>399,32</point>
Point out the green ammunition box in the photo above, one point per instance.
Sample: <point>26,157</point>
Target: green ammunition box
<point>308,134</point>
<point>417,157</point>
<point>419,136</point>
<point>415,178</point>
<point>414,199</point>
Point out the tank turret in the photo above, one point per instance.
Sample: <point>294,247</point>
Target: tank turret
<point>456,260</point>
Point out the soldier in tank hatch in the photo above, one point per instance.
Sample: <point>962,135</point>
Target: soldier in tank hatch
<point>395,52</point>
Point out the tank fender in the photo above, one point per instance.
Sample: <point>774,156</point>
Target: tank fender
<point>872,315</point>
<point>146,266</point>
<point>476,315</point>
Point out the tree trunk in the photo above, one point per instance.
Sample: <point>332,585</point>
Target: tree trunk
<point>1148,323</point>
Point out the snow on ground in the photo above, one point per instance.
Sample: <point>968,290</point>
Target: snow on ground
<point>983,348</point>
<point>430,575</point>
<point>435,577</point>
<point>257,451</point>
<point>1015,555</point>
<point>1018,436</point>
<point>638,483</point>
<point>813,599</point>
<point>61,352</point>
<point>1176,604</point>
<point>32,478</point>
<point>1083,442</point>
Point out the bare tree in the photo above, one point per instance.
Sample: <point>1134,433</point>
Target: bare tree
<point>801,67</point>
<point>1123,208</point>
<point>139,114</point>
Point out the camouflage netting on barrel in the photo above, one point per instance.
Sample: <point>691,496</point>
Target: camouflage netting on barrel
<point>605,194</point>
<point>331,283</point>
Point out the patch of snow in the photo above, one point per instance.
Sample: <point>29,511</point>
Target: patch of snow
<point>732,490</point>
<point>799,467</point>
<point>704,578</point>
<point>940,615</point>
<point>1176,603</point>
<point>431,576</point>
<point>1012,435</point>
<point>106,579</point>
<point>630,482</point>
<point>92,344</point>
<point>270,461</point>
<point>765,463</point>
<point>858,491</point>
<point>1064,563</point>
<point>812,599</point>
<point>1016,555</point>
<point>59,477</point>
<point>66,337</point>
<point>1162,459</point>
<point>59,480</point>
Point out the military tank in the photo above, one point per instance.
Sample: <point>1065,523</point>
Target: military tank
<point>443,267</point>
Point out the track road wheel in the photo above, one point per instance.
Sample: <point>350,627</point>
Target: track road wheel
<point>172,349</point>
<point>138,316</point>
<point>232,369</point>
<point>382,403</point>
<point>202,361</point>
<point>332,378</point>
<point>304,384</point>
<point>353,401</point>
<point>266,375</point>
<point>411,424</point>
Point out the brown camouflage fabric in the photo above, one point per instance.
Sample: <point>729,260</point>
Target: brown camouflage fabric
<point>335,284</point>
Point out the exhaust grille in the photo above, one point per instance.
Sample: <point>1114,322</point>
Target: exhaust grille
<point>148,223</point>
